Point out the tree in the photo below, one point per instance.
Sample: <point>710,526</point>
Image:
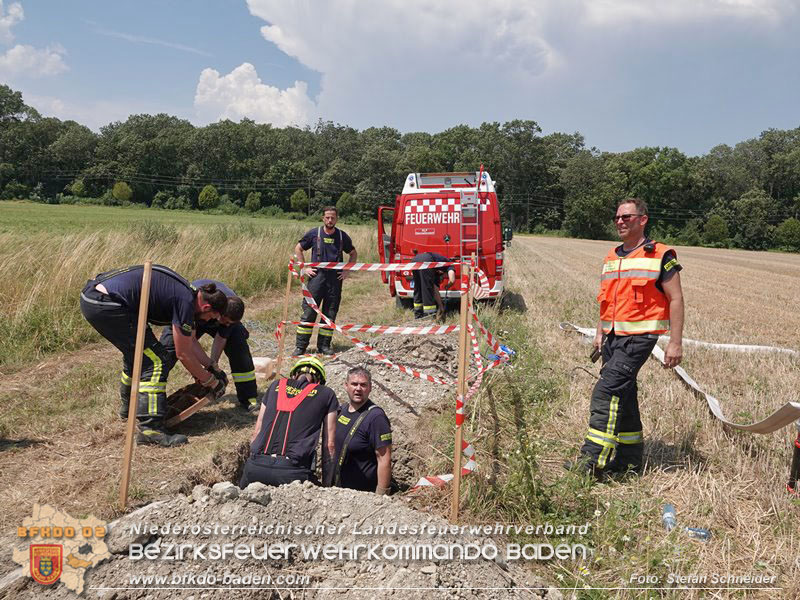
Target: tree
<point>122,192</point>
<point>299,201</point>
<point>347,204</point>
<point>587,217</point>
<point>161,199</point>
<point>78,188</point>
<point>715,232</point>
<point>12,108</point>
<point>253,202</point>
<point>209,198</point>
<point>788,235</point>
<point>751,211</point>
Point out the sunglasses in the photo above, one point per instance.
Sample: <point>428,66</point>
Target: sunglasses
<point>625,218</point>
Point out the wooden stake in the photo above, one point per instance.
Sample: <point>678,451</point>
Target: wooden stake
<point>285,328</point>
<point>144,300</point>
<point>466,308</point>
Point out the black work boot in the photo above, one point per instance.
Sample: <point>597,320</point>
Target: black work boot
<point>299,351</point>
<point>160,438</point>
<point>628,460</point>
<point>251,405</point>
<point>150,412</point>
<point>324,345</point>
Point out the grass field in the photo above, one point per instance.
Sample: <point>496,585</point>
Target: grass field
<point>46,256</point>
<point>30,217</point>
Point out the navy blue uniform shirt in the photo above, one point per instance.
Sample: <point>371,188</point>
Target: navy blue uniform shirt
<point>329,248</point>
<point>360,468</point>
<point>171,296</point>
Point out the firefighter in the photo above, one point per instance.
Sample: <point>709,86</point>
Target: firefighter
<point>363,439</point>
<point>110,302</point>
<point>327,244</point>
<point>284,441</point>
<point>231,337</point>
<point>640,298</point>
<point>426,284</point>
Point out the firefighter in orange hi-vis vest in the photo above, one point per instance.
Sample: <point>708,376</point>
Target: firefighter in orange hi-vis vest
<point>640,298</point>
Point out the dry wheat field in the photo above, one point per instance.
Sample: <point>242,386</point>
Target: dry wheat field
<point>730,482</point>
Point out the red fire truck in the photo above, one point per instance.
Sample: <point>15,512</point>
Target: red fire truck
<point>448,214</point>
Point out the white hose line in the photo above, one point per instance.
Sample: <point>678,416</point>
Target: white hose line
<point>785,415</point>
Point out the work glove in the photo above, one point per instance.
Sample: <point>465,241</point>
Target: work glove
<point>219,374</point>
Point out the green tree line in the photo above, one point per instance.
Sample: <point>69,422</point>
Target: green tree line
<point>745,196</point>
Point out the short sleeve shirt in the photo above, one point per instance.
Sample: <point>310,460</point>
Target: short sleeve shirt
<point>326,247</point>
<point>305,426</point>
<point>171,299</point>
<point>360,469</point>
<point>213,327</point>
<point>669,264</point>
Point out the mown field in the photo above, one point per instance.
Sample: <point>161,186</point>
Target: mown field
<point>530,419</point>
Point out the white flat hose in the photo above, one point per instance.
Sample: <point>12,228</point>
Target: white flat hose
<point>785,415</point>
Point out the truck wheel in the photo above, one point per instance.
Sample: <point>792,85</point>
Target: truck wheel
<point>403,303</point>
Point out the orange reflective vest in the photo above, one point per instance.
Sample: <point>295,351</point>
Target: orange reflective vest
<point>630,302</point>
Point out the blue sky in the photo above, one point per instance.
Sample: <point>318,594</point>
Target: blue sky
<point>625,73</point>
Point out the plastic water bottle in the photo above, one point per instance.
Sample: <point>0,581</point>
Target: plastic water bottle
<point>698,533</point>
<point>507,350</point>
<point>668,517</point>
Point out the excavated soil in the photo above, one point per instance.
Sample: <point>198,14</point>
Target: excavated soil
<point>350,513</point>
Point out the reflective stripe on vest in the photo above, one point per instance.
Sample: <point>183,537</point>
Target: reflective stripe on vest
<point>630,302</point>
<point>286,405</point>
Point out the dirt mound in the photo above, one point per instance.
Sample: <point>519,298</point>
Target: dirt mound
<point>310,517</point>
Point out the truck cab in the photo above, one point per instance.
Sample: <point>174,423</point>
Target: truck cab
<point>453,214</point>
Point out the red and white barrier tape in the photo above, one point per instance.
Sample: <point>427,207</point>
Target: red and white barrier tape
<point>381,329</point>
<point>366,347</point>
<point>442,480</point>
<point>493,344</point>
<point>479,291</point>
<point>467,449</point>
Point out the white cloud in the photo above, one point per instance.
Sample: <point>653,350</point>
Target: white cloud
<point>417,64</point>
<point>27,61</point>
<point>8,18</point>
<point>241,93</point>
<point>610,12</point>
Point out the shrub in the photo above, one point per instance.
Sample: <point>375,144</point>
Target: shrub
<point>347,204</point>
<point>122,192</point>
<point>271,211</point>
<point>228,208</point>
<point>253,202</point>
<point>15,191</point>
<point>299,201</point>
<point>209,198</point>
<point>78,188</point>
<point>160,199</point>
<point>179,203</point>
<point>788,235</point>
<point>715,232</point>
